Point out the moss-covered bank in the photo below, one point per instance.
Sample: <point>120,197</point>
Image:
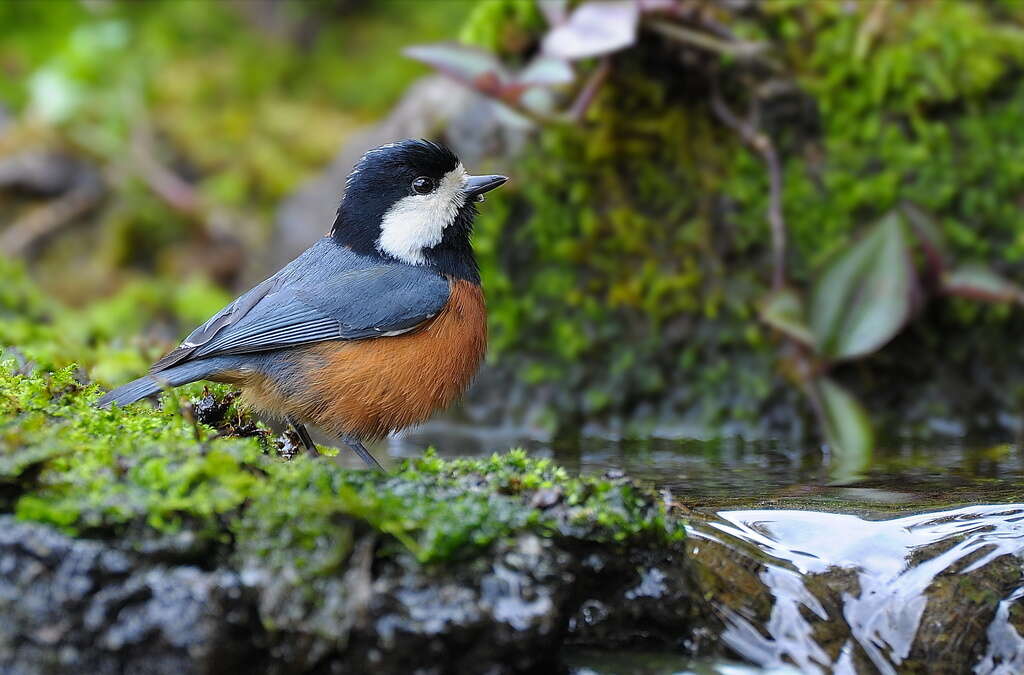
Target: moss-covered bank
<point>195,545</point>
<point>191,509</point>
<point>478,562</point>
<point>625,262</point>
<point>151,472</point>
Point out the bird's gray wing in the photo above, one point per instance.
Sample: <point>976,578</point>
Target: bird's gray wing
<point>374,301</point>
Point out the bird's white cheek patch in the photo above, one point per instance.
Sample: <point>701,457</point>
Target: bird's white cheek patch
<point>417,222</point>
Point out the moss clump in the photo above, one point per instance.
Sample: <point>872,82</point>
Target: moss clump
<point>142,473</point>
<point>506,27</point>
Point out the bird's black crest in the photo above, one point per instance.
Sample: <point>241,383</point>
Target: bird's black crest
<point>425,158</point>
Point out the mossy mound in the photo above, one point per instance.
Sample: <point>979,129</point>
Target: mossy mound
<point>449,564</point>
<point>151,472</point>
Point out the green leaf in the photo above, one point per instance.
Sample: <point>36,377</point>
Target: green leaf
<point>981,283</point>
<point>847,429</point>
<point>863,298</point>
<point>783,310</point>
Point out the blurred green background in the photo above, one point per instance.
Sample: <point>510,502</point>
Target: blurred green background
<point>156,157</point>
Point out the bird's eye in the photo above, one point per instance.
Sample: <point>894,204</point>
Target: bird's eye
<point>422,185</point>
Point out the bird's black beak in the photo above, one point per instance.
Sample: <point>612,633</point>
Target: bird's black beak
<point>476,186</point>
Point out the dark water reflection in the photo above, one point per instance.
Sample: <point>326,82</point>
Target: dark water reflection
<point>901,477</point>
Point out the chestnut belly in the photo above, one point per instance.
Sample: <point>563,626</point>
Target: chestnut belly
<point>369,388</point>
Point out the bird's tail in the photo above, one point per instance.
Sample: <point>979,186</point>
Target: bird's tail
<point>154,382</point>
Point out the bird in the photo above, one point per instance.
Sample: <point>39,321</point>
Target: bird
<point>372,329</point>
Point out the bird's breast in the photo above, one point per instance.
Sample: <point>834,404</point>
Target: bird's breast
<point>369,388</point>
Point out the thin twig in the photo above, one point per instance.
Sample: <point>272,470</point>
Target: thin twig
<point>41,222</point>
<point>695,38</point>
<point>763,146</point>
<point>589,92</point>
<point>169,186</point>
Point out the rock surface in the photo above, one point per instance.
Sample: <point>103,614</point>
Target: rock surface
<point>79,606</point>
<point>74,606</point>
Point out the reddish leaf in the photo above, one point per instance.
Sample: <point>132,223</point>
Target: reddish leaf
<point>594,28</point>
<point>981,283</point>
<point>489,84</point>
<point>471,66</point>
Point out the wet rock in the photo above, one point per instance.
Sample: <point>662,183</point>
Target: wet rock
<point>835,593</point>
<point>71,606</point>
<point>85,606</point>
<point>545,498</point>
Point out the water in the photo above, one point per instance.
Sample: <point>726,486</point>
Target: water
<point>885,617</point>
<point>901,478</point>
<point>924,548</point>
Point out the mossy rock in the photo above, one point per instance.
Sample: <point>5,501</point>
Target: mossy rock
<point>443,564</point>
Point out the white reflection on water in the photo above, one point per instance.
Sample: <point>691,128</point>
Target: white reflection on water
<point>885,616</point>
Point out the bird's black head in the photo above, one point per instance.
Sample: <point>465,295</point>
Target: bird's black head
<point>412,201</point>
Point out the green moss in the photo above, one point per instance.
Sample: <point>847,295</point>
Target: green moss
<point>506,27</point>
<point>141,473</point>
<point>113,339</point>
<point>140,469</point>
<point>639,244</point>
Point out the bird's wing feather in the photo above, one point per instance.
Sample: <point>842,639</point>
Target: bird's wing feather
<point>374,301</point>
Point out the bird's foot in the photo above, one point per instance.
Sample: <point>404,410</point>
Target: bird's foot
<point>357,447</point>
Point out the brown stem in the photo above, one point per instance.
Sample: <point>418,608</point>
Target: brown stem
<point>589,92</point>
<point>763,146</point>
<point>701,40</point>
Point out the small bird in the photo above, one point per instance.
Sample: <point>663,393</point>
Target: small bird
<point>370,330</point>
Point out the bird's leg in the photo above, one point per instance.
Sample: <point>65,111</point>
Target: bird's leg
<point>360,449</point>
<point>303,435</point>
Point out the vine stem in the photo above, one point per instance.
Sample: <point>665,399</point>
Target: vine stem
<point>589,91</point>
<point>763,146</point>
